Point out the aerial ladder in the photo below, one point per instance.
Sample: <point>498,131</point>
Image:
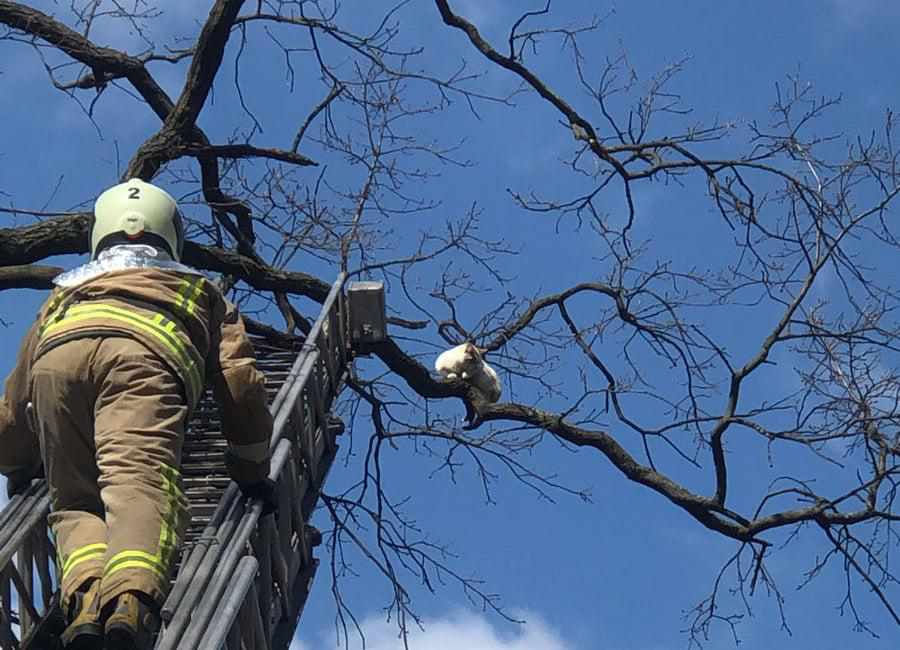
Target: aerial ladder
<point>242,579</point>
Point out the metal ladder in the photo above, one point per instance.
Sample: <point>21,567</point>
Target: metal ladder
<point>242,579</point>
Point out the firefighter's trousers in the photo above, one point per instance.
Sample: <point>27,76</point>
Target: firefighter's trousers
<point>111,418</point>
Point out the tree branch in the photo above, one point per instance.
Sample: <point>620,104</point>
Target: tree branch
<point>28,277</point>
<point>242,151</point>
<point>69,235</point>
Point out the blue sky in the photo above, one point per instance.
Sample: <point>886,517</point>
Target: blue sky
<point>616,573</point>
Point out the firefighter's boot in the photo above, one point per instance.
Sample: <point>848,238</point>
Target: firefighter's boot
<point>132,622</point>
<point>85,630</point>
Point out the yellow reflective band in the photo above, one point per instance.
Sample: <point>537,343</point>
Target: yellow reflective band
<point>168,536</point>
<point>164,334</point>
<point>134,559</point>
<point>188,293</point>
<point>192,300</point>
<point>55,310</point>
<point>184,288</point>
<point>82,554</point>
<point>165,323</point>
<point>134,563</point>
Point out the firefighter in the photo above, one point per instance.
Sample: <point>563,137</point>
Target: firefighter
<point>116,361</point>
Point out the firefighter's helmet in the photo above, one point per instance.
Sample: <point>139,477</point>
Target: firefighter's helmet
<point>137,212</point>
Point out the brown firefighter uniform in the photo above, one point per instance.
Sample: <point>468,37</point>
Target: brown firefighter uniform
<point>114,367</point>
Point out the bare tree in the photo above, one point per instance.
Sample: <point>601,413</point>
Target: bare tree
<point>662,395</point>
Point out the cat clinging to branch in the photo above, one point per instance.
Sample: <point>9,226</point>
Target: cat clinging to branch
<point>467,363</point>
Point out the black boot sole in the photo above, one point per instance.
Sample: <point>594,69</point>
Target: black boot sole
<point>118,638</point>
<point>86,637</point>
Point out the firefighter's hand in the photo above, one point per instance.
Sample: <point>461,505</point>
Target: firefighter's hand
<point>18,482</point>
<point>14,488</point>
<point>265,491</point>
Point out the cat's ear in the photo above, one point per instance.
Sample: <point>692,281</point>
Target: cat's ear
<point>475,351</point>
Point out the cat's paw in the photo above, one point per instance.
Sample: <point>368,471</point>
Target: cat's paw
<point>465,375</point>
<point>451,375</point>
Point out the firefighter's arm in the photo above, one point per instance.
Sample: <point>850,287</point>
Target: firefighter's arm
<point>240,390</point>
<point>20,453</point>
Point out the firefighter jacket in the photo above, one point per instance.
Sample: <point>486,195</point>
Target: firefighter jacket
<point>181,317</point>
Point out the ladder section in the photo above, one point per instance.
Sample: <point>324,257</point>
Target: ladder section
<point>245,580</point>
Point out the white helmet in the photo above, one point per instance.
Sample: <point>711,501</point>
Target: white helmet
<point>137,212</point>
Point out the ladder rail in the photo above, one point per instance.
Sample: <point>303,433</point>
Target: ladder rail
<point>231,604</point>
<point>24,547</point>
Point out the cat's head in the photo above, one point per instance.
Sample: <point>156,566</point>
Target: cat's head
<point>472,353</point>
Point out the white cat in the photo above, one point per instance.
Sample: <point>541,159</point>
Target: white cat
<point>465,362</point>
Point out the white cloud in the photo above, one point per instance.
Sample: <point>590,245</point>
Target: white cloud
<point>460,631</point>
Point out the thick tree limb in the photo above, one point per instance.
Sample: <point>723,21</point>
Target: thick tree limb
<point>416,375</point>
<point>272,335</point>
<point>68,235</point>
<point>179,126</point>
<point>420,380</point>
<point>28,276</point>
<point>208,54</point>
<point>58,236</point>
<point>707,510</point>
<point>258,276</point>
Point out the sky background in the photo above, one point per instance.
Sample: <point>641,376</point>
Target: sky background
<point>619,572</point>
